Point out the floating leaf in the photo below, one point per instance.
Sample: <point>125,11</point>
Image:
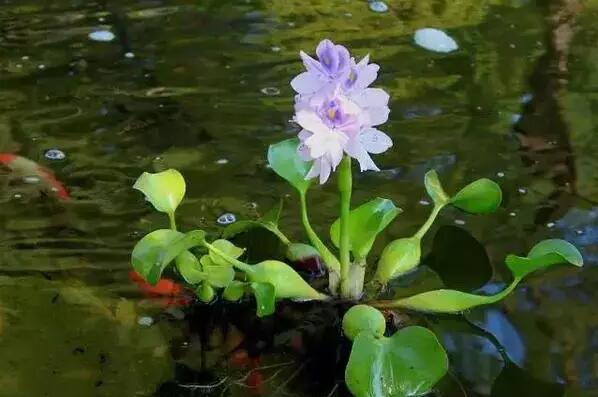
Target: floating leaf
<point>544,254</point>
<point>227,248</point>
<point>399,257</point>
<point>365,222</point>
<point>286,281</point>
<point>165,190</point>
<point>479,197</point>
<point>189,267</point>
<point>265,298</point>
<point>363,318</point>
<point>285,161</point>
<point>234,291</point>
<point>146,254</point>
<point>409,363</point>
<point>434,188</point>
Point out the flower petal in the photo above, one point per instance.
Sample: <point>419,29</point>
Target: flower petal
<point>303,152</point>
<point>377,115</point>
<point>310,121</point>
<point>324,171</point>
<point>306,83</point>
<point>356,150</point>
<point>328,56</point>
<point>375,141</point>
<point>311,65</point>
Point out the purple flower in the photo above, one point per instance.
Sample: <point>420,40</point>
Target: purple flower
<point>338,111</point>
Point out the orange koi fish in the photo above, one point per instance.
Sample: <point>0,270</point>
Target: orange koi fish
<point>171,292</point>
<point>25,167</point>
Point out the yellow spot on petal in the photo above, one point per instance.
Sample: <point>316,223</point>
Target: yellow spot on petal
<point>331,114</point>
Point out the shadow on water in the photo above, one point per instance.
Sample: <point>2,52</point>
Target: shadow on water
<point>203,87</point>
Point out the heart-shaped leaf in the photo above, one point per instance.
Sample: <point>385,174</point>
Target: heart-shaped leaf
<point>227,248</point>
<point>189,267</point>
<point>265,298</point>
<point>363,318</point>
<point>434,189</point>
<point>544,254</point>
<point>284,160</point>
<point>479,197</point>
<point>365,222</point>
<point>165,190</point>
<point>409,363</point>
<point>145,257</point>
<point>399,257</point>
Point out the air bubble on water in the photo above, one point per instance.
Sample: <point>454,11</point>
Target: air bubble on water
<point>101,35</point>
<point>526,98</point>
<point>17,195</point>
<point>459,222</point>
<point>512,45</point>
<point>522,190</point>
<point>270,91</point>
<point>145,321</point>
<point>378,6</point>
<point>424,202</point>
<point>25,58</point>
<point>55,154</point>
<point>515,118</point>
<point>512,214</point>
<point>348,14</point>
<point>129,55</point>
<point>222,161</point>
<point>275,49</point>
<point>251,205</point>
<point>41,67</point>
<point>31,179</point>
<point>500,174</point>
<point>550,225</point>
<point>19,66</point>
<point>579,232</point>
<point>226,219</point>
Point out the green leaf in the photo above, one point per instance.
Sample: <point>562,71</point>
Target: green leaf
<point>269,222</point>
<point>165,190</point>
<point>409,363</point>
<point>227,248</point>
<point>178,246</point>
<point>399,257</point>
<point>543,254</point>
<point>298,252</point>
<point>363,318</point>
<point>285,161</point>
<point>234,291</point>
<point>286,281</point>
<point>434,188</point>
<point>365,222</point>
<point>189,267</point>
<point>265,298</point>
<point>147,252</point>
<point>219,276</point>
<point>479,197</point>
<point>205,293</point>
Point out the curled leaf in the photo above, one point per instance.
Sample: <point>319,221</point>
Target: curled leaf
<point>363,318</point>
<point>434,188</point>
<point>399,257</point>
<point>145,257</point>
<point>264,297</point>
<point>234,291</point>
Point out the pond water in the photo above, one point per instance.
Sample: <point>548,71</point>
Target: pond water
<point>100,91</point>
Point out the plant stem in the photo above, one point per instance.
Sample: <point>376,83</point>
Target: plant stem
<point>332,264</point>
<point>232,261</point>
<point>426,226</point>
<point>281,236</point>
<point>172,221</point>
<point>345,186</point>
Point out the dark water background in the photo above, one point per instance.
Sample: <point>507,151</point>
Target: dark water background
<point>203,86</point>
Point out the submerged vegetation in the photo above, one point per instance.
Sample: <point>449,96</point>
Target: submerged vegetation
<point>339,115</point>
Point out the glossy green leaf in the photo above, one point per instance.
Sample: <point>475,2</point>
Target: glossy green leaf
<point>365,222</point>
<point>205,293</point>
<point>399,257</point>
<point>227,248</point>
<point>409,363</point>
<point>265,298</point>
<point>284,160</point>
<point>479,197</point>
<point>434,188</point>
<point>363,318</point>
<point>544,254</point>
<point>189,267</point>
<point>165,190</point>
<point>145,257</point>
<point>219,276</point>
<point>234,291</point>
<point>297,252</point>
<point>181,244</point>
<point>286,281</point>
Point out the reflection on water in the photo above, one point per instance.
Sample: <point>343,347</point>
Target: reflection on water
<point>139,85</point>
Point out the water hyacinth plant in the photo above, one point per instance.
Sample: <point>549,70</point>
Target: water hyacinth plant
<point>339,114</point>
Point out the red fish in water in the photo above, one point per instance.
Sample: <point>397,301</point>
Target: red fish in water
<point>25,167</point>
<point>170,292</point>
